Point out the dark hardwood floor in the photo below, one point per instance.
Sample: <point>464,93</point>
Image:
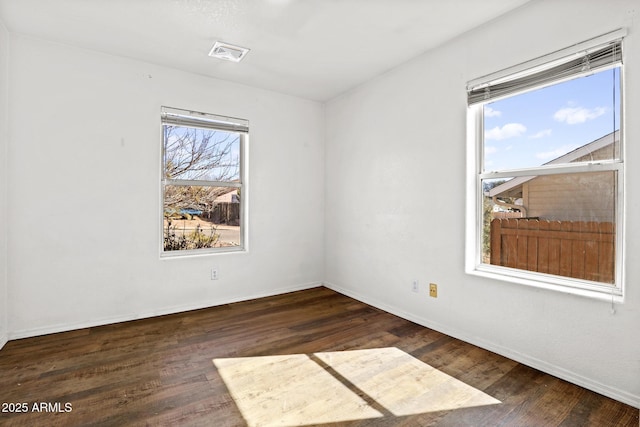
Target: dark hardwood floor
<point>159,371</point>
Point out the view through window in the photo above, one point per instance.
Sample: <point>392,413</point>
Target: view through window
<point>550,176</point>
<point>202,182</point>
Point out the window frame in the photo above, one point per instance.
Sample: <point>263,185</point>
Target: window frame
<point>199,120</point>
<point>476,174</point>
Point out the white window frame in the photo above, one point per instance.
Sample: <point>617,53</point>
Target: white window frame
<point>475,175</point>
<point>195,119</point>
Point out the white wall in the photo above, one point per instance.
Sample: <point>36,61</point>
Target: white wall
<point>84,167</point>
<point>83,164</point>
<point>395,203</point>
<point>4,55</point>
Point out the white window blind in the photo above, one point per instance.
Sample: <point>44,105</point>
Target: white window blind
<point>176,117</point>
<point>575,62</point>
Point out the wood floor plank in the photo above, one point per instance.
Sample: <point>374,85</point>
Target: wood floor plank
<point>160,371</point>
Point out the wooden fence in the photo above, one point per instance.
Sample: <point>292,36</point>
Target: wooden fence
<point>582,250</point>
<point>226,213</point>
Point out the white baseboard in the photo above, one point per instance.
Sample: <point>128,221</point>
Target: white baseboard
<point>26,333</point>
<point>572,377</point>
<point>3,340</point>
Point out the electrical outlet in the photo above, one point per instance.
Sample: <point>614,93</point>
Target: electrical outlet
<point>415,286</point>
<point>433,290</point>
<point>214,274</point>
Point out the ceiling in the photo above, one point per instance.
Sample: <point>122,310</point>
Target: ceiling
<point>315,49</point>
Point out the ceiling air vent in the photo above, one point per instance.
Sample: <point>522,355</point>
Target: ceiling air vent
<point>228,52</point>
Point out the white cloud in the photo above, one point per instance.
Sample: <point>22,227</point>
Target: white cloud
<point>510,130</point>
<point>490,150</point>
<point>554,154</point>
<point>541,134</point>
<point>490,112</point>
<point>577,115</point>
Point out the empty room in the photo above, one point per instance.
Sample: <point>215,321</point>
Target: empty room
<point>319,212</point>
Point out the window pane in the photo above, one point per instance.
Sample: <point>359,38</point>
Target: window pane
<point>201,154</point>
<point>572,121</point>
<point>201,217</point>
<point>562,224</point>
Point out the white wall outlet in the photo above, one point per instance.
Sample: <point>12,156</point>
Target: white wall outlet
<point>415,286</point>
<point>214,273</point>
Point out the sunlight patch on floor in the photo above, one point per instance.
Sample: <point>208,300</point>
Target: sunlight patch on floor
<point>403,384</point>
<point>289,390</point>
<point>326,387</point>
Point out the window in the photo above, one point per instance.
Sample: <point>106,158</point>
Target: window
<point>546,189</point>
<point>203,197</point>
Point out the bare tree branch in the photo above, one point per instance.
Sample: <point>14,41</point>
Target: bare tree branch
<point>192,153</point>
<point>198,154</point>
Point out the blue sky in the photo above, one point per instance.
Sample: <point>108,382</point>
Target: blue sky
<point>533,128</point>
<point>223,146</point>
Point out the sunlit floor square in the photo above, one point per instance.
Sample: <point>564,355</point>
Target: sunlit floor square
<point>402,384</point>
<point>327,387</point>
<point>289,390</point>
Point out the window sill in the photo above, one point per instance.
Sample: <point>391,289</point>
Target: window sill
<point>201,252</point>
<point>583,288</point>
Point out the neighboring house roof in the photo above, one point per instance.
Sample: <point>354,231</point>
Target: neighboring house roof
<point>513,187</point>
<point>230,197</point>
